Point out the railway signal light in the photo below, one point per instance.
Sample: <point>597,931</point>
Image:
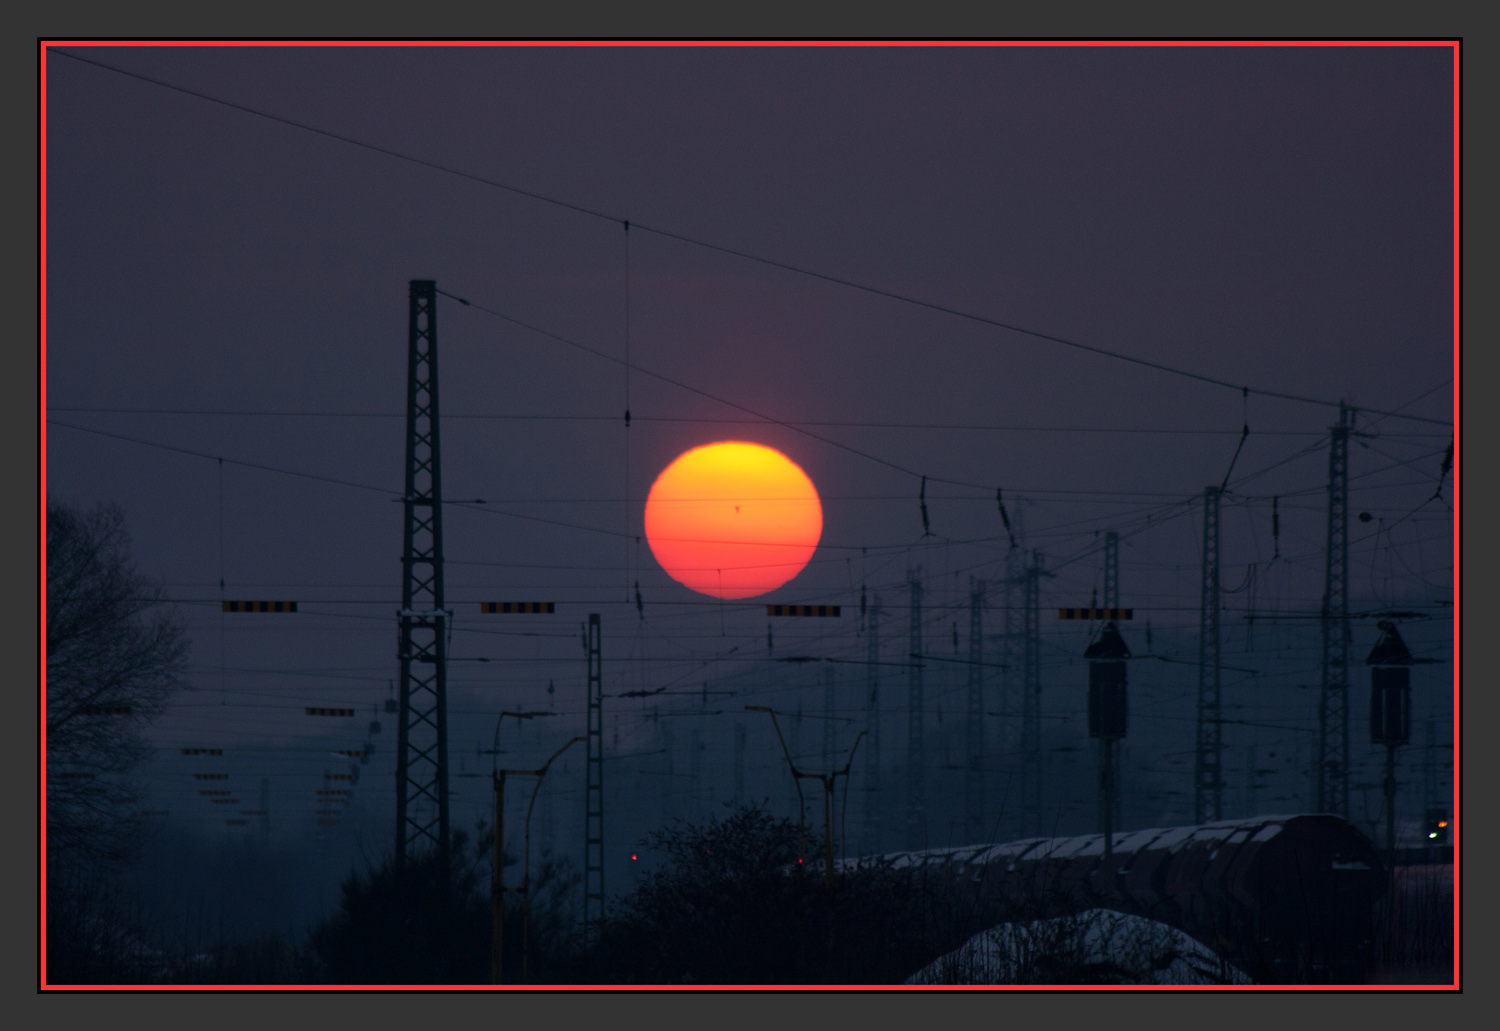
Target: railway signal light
<point>1390,710</point>
<point>1107,684</point>
<point>1390,688</point>
<point>1435,827</point>
<point>260,606</point>
<point>1108,712</point>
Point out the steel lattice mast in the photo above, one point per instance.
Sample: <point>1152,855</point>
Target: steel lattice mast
<point>1208,781</point>
<point>422,746</point>
<point>1031,698</point>
<point>1011,649</point>
<point>1111,601</point>
<point>593,817</point>
<point>1333,701</point>
<point>872,683</point>
<point>974,800</point>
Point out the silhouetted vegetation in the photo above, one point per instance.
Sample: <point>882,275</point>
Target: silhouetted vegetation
<point>420,926</point>
<point>112,664</point>
<point>733,905</point>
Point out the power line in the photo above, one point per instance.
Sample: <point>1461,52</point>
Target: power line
<point>734,252</point>
<point>701,420</point>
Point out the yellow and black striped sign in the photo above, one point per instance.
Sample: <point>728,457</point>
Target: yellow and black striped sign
<point>203,751</point>
<point>1093,613</point>
<point>505,608</point>
<point>210,776</point>
<point>106,710</point>
<point>341,776</point>
<point>316,711</point>
<point>237,823</point>
<point>216,791</point>
<point>803,610</point>
<point>260,606</point>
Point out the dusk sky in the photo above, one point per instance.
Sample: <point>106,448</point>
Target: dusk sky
<point>1278,218</point>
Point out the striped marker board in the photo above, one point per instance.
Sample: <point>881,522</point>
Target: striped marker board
<point>1095,613</point>
<point>260,606</point>
<point>825,611</point>
<point>506,608</point>
<point>313,710</point>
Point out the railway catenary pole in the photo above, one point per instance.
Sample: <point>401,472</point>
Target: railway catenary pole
<point>422,727</point>
<point>916,762</point>
<point>1333,700</point>
<point>829,781</point>
<point>872,686</point>
<point>830,707</point>
<point>593,816</point>
<point>1111,601</point>
<point>1031,698</point>
<point>974,795</point>
<point>1208,781</point>
<point>1011,646</point>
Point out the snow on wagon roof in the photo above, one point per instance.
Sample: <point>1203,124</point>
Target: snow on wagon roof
<point>1170,839</point>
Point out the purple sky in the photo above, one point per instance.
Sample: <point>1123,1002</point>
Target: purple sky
<point>1273,217</point>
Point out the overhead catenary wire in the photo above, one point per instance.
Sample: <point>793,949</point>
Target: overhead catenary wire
<point>732,251</point>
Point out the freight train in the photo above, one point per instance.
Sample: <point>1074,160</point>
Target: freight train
<point>1287,899</point>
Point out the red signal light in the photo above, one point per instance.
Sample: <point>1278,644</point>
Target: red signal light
<point>632,857</point>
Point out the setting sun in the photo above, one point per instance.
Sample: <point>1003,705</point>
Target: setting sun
<point>733,519</point>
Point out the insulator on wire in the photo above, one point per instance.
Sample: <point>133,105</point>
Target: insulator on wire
<point>1005,518</point>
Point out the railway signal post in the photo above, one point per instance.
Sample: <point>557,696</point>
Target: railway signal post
<point>1390,712</point>
<point>1108,711</point>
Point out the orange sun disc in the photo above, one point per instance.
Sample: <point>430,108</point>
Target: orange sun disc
<point>733,520</point>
